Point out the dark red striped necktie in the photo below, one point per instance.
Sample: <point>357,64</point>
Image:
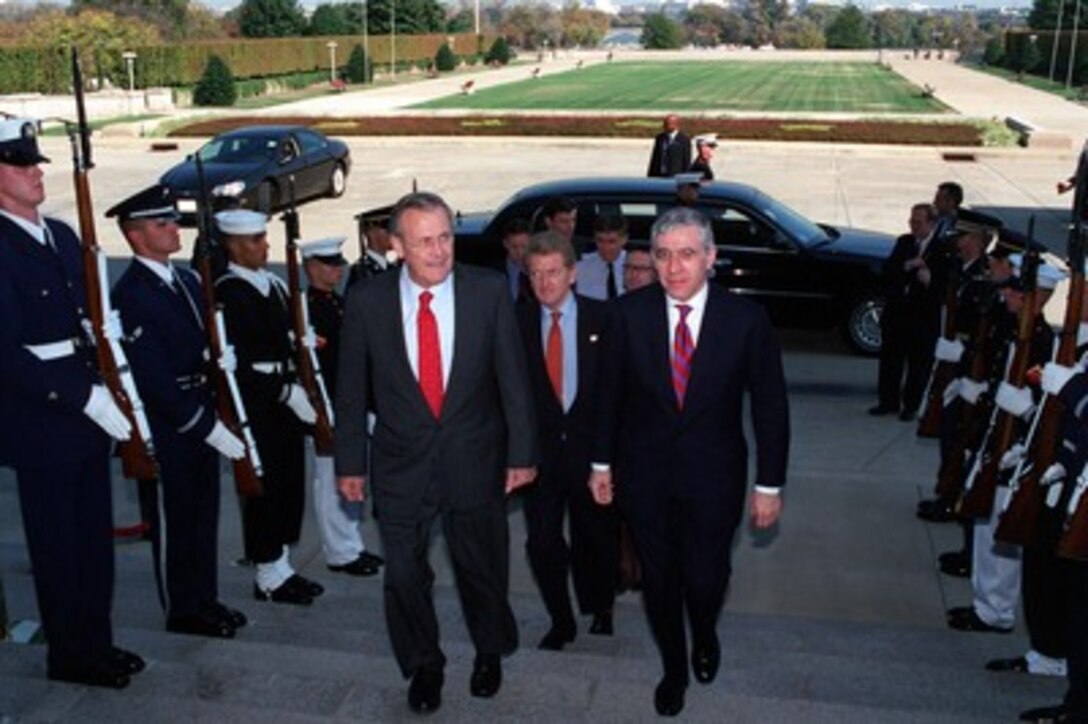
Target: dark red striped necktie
<point>430,355</point>
<point>683,347</point>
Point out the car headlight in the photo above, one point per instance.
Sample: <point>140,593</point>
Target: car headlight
<point>231,188</point>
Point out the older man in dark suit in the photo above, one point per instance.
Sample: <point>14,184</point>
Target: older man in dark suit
<point>672,150</point>
<point>435,352</point>
<point>682,356</point>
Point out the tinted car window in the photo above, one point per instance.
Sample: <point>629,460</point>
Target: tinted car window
<point>310,141</point>
<point>739,228</point>
<point>797,227</point>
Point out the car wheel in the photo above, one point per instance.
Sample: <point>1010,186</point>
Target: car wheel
<point>266,197</point>
<point>338,181</point>
<point>861,328</point>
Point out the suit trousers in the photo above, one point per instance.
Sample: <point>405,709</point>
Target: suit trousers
<point>1076,698</point>
<point>995,569</point>
<point>478,541</point>
<point>593,555</point>
<point>185,527</point>
<point>684,548</point>
<point>273,519</point>
<point>904,346</point>
<point>68,520</point>
<point>337,519</point>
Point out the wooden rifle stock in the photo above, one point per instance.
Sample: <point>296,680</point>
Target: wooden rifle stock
<point>951,477</point>
<point>943,372</point>
<point>978,501</point>
<point>305,363</point>
<point>1074,542</point>
<point>136,453</point>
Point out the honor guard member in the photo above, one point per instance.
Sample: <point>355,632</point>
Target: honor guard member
<point>57,420</point>
<point>705,145</point>
<point>377,250</point>
<point>337,519</point>
<point>256,311</point>
<point>167,348</point>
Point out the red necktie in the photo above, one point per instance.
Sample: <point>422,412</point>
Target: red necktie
<point>553,357</point>
<point>682,349</point>
<point>430,355</point>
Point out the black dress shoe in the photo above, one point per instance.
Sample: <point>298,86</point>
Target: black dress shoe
<point>669,698</point>
<point>602,624</point>
<point>358,567</point>
<point>1016,665</point>
<point>198,625</point>
<point>312,588</point>
<point>104,675</point>
<point>556,638</point>
<point>1047,715</point>
<point>908,415</point>
<point>284,594</point>
<point>372,559</point>
<point>486,676</point>
<point>125,661</point>
<point>425,691</point>
<point>704,662</point>
<point>234,617</point>
<point>971,622</point>
<point>937,511</point>
<point>881,410</point>
<point>955,563</point>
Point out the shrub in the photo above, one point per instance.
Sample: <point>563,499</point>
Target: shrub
<point>499,52</point>
<point>995,51</point>
<point>359,69</point>
<point>444,59</point>
<point>216,86</point>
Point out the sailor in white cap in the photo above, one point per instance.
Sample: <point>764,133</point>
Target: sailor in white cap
<point>58,422</point>
<point>256,311</point>
<point>705,146</point>
<point>337,519</point>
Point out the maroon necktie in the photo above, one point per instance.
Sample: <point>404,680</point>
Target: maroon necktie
<point>682,349</point>
<point>430,355</point>
<point>553,357</point>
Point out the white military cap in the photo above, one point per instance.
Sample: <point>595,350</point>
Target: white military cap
<point>1047,276</point>
<point>241,222</point>
<point>707,139</point>
<point>19,142</point>
<point>325,250</point>
<point>688,179</point>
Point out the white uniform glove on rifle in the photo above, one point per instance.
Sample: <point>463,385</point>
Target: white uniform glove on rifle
<point>1012,457</point>
<point>1016,401</point>
<point>227,361</point>
<point>1055,376</point>
<point>300,405</point>
<point>952,391</point>
<point>970,390</point>
<point>948,350</point>
<point>226,442</point>
<point>106,414</point>
<point>111,326</point>
<point>309,340</point>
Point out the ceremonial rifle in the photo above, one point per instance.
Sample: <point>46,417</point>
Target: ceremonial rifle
<point>309,368</point>
<point>138,452</point>
<point>943,371</point>
<point>231,407</point>
<point>1018,521</point>
<point>978,501</point>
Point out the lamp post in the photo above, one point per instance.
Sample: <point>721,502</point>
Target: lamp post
<point>1057,40</point>
<point>331,45</point>
<point>392,38</point>
<point>1073,46</point>
<point>366,41</point>
<point>130,61</point>
<point>476,16</point>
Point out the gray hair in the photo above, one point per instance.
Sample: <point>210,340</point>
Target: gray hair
<point>544,243</point>
<point>417,201</point>
<point>682,216</point>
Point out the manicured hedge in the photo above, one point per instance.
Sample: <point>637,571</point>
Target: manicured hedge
<point>768,129</point>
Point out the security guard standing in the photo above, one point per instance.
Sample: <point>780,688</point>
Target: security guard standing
<point>337,519</point>
<point>255,308</point>
<point>167,348</point>
<point>58,420</point>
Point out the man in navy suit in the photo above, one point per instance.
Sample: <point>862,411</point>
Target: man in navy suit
<point>681,357</point>
<point>434,351</point>
<point>58,421</point>
<point>672,150</point>
<point>563,333</point>
<point>167,347</point>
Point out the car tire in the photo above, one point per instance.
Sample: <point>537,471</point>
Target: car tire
<point>266,197</point>
<point>861,326</point>
<point>338,181</point>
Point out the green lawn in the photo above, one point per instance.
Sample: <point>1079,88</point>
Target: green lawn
<point>702,85</point>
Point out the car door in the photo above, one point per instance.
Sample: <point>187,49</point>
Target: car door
<point>317,163</point>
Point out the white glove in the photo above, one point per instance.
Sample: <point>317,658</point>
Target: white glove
<point>309,339</point>
<point>300,405</point>
<point>227,361</point>
<point>1053,474</point>
<point>1016,401</point>
<point>226,442</point>
<point>111,326</point>
<point>971,390</point>
<point>1012,457</point>
<point>1055,376</point>
<point>948,351</point>
<point>106,414</point>
<point>952,391</point>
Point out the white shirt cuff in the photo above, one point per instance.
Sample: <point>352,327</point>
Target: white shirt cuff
<point>601,467</point>
<point>767,490</point>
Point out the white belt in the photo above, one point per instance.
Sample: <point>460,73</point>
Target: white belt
<point>52,350</point>
<point>268,368</point>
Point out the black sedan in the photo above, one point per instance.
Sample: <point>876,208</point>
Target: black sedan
<point>806,274</point>
<point>252,166</point>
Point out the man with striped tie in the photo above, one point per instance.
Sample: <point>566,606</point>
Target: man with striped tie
<point>682,356</point>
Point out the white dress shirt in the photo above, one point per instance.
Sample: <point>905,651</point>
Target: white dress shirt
<point>593,275</point>
<point>442,307</point>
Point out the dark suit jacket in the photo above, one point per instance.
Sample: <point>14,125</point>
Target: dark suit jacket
<point>909,302</point>
<point>487,422</point>
<point>669,159</point>
<point>699,454</point>
<point>567,433</point>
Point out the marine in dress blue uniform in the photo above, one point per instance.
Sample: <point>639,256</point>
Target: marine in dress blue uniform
<point>167,348</point>
<point>57,419</point>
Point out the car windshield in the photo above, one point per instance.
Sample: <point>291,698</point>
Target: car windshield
<point>796,226</point>
<point>240,149</point>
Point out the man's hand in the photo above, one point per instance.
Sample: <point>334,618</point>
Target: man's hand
<point>352,487</point>
<point>518,478</point>
<point>600,486</point>
<point>766,508</point>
